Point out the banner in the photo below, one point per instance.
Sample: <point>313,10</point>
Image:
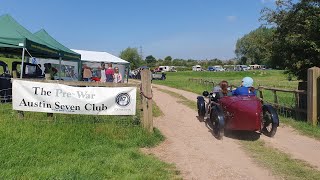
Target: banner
<point>59,98</point>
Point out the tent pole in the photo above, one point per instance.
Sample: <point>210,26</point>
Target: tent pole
<point>60,68</point>
<point>128,69</point>
<point>21,72</point>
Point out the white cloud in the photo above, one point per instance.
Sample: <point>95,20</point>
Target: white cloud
<point>231,18</point>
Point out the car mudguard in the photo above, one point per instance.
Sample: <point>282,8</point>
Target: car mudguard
<point>201,106</point>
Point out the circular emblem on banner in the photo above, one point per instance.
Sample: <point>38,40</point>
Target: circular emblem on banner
<point>123,99</point>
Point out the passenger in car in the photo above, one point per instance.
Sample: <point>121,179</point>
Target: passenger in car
<point>246,88</point>
<point>222,90</point>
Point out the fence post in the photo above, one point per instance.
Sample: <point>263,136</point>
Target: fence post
<point>147,120</point>
<point>297,105</point>
<point>275,97</point>
<point>313,76</point>
<point>48,77</point>
<point>261,93</point>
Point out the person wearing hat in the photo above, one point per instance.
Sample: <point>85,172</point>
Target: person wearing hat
<point>246,88</point>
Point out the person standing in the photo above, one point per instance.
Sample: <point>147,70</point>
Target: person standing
<point>103,77</point>
<point>109,73</point>
<point>50,70</point>
<point>87,74</point>
<point>117,76</point>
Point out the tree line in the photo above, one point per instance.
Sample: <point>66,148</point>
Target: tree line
<point>289,39</point>
<point>132,55</point>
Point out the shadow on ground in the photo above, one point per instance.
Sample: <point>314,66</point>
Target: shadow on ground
<point>239,135</point>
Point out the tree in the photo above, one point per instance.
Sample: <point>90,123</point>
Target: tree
<point>131,55</point>
<point>150,60</point>
<point>296,44</point>
<point>255,47</point>
<point>168,60</point>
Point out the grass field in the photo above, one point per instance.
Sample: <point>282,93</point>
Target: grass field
<point>77,147</point>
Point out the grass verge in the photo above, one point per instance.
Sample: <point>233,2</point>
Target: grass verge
<point>182,99</point>
<point>156,111</point>
<point>302,127</point>
<point>281,164</point>
<point>77,147</point>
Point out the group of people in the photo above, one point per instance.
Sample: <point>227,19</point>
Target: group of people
<point>104,74</point>
<point>246,88</point>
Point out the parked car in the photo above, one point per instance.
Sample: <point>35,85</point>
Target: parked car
<point>219,68</point>
<point>211,68</point>
<point>241,68</point>
<point>196,68</point>
<point>159,76</point>
<point>29,71</point>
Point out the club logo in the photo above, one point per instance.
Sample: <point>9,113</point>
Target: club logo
<point>123,99</point>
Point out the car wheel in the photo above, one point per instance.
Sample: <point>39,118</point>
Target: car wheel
<point>270,121</point>
<point>201,107</point>
<point>217,120</point>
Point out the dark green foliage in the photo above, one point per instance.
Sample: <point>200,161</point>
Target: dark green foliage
<point>150,60</point>
<point>131,55</point>
<point>296,45</point>
<point>255,47</point>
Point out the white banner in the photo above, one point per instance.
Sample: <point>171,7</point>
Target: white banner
<point>58,98</point>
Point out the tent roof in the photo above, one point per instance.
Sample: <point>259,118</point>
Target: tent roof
<point>13,36</point>
<point>65,52</point>
<point>96,56</point>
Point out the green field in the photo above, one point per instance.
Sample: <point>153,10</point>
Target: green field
<point>77,147</point>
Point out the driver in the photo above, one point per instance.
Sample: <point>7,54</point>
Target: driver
<point>245,88</point>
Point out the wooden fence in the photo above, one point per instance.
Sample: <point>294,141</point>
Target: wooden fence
<point>299,95</point>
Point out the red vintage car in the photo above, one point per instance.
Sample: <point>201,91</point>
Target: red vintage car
<point>245,113</point>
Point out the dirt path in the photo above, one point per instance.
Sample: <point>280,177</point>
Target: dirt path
<point>286,139</point>
<point>194,150</point>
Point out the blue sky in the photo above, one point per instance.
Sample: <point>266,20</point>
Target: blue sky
<point>198,29</point>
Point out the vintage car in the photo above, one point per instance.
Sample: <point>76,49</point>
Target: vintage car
<point>245,113</point>
<point>29,71</point>
<point>5,83</point>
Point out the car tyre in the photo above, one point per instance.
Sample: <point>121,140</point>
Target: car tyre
<point>201,107</point>
<point>270,121</point>
<point>217,120</point>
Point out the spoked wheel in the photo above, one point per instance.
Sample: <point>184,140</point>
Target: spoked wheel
<point>270,121</point>
<point>217,120</point>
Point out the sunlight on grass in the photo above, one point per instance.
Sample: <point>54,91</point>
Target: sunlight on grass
<point>182,99</point>
<point>76,147</point>
<point>281,164</point>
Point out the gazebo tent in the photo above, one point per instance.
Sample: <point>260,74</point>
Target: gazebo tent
<point>65,53</point>
<point>15,39</point>
<point>96,57</point>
